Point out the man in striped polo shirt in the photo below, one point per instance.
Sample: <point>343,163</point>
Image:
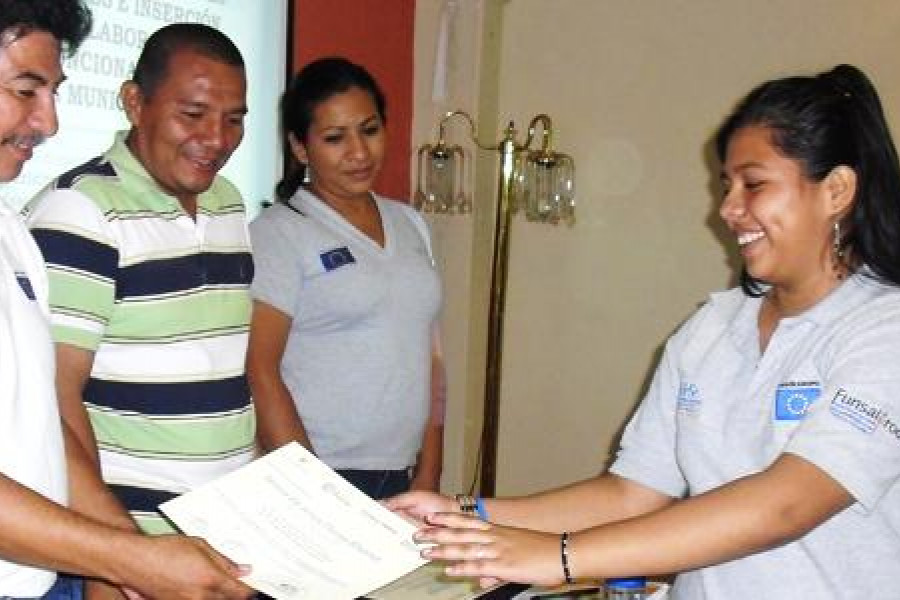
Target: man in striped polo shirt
<point>149,267</point>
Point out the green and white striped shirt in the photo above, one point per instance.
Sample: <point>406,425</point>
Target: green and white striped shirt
<point>163,302</point>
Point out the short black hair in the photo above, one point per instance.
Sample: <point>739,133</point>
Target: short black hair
<point>822,121</point>
<point>152,65</point>
<point>69,21</point>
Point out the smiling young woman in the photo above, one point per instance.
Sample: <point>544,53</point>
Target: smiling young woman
<point>764,460</point>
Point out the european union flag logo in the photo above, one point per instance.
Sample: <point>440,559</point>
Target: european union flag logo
<point>792,403</point>
<point>337,258</point>
<point>25,284</point>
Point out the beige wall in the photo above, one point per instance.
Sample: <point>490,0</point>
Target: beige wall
<point>635,90</point>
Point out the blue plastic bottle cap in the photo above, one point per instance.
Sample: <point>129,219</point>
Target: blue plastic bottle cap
<point>627,583</point>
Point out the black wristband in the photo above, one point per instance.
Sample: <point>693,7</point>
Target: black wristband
<point>564,557</point>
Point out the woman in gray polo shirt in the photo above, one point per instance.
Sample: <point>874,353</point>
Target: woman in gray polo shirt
<point>343,354</point>
<point>764,461</point>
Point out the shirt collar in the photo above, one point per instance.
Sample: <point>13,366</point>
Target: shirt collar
<point>129,168</point>
<point>128,165</point>
<point>851,292</point>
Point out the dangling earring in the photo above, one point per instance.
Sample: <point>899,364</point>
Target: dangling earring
<point>307,178</point>
<point>837,252</point>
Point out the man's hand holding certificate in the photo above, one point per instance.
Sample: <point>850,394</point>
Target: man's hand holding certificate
<point>305,531</point>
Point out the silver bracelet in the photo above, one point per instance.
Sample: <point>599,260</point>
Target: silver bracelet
<point>467,504</point>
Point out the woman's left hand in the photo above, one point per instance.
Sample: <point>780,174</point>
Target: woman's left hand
<point>476,548</point>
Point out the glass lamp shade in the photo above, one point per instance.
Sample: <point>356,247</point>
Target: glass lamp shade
<point>440,179</point>
<point>564,190</point>
<point>545,186</point>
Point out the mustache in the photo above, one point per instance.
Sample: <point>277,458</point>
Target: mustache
<point>32,140</point>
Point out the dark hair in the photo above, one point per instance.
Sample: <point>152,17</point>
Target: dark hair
<point>315,83</point>
<point>824,121</point>
<point>153,63</point>
<point>69,21</point>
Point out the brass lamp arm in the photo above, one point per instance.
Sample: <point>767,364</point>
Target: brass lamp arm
<point>546,132</point>
<point>471,122</point>
<point>542,119</point>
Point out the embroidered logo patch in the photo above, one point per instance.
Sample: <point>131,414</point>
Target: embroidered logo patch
<point>688,398</point>
<point>337,258</point>
<point>25,284</point>
<point>792,402</point>
<point>860,414</point>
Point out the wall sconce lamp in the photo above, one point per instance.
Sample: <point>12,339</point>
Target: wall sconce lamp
<point>539,181</point>
<point>536,181</point>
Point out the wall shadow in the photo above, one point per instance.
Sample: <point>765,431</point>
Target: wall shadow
<point>732,258</point>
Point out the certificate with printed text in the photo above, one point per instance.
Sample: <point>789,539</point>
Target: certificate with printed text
<point>305,531</point>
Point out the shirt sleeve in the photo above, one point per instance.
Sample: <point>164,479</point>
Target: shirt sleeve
<point>82,265</point>
<point>422,227</point>
<point>853,431</point>
<point>277,275</point>
<point>647,450</point>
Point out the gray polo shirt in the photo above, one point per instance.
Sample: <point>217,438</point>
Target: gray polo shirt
<point>358,354</point>
<point>827,389</point>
